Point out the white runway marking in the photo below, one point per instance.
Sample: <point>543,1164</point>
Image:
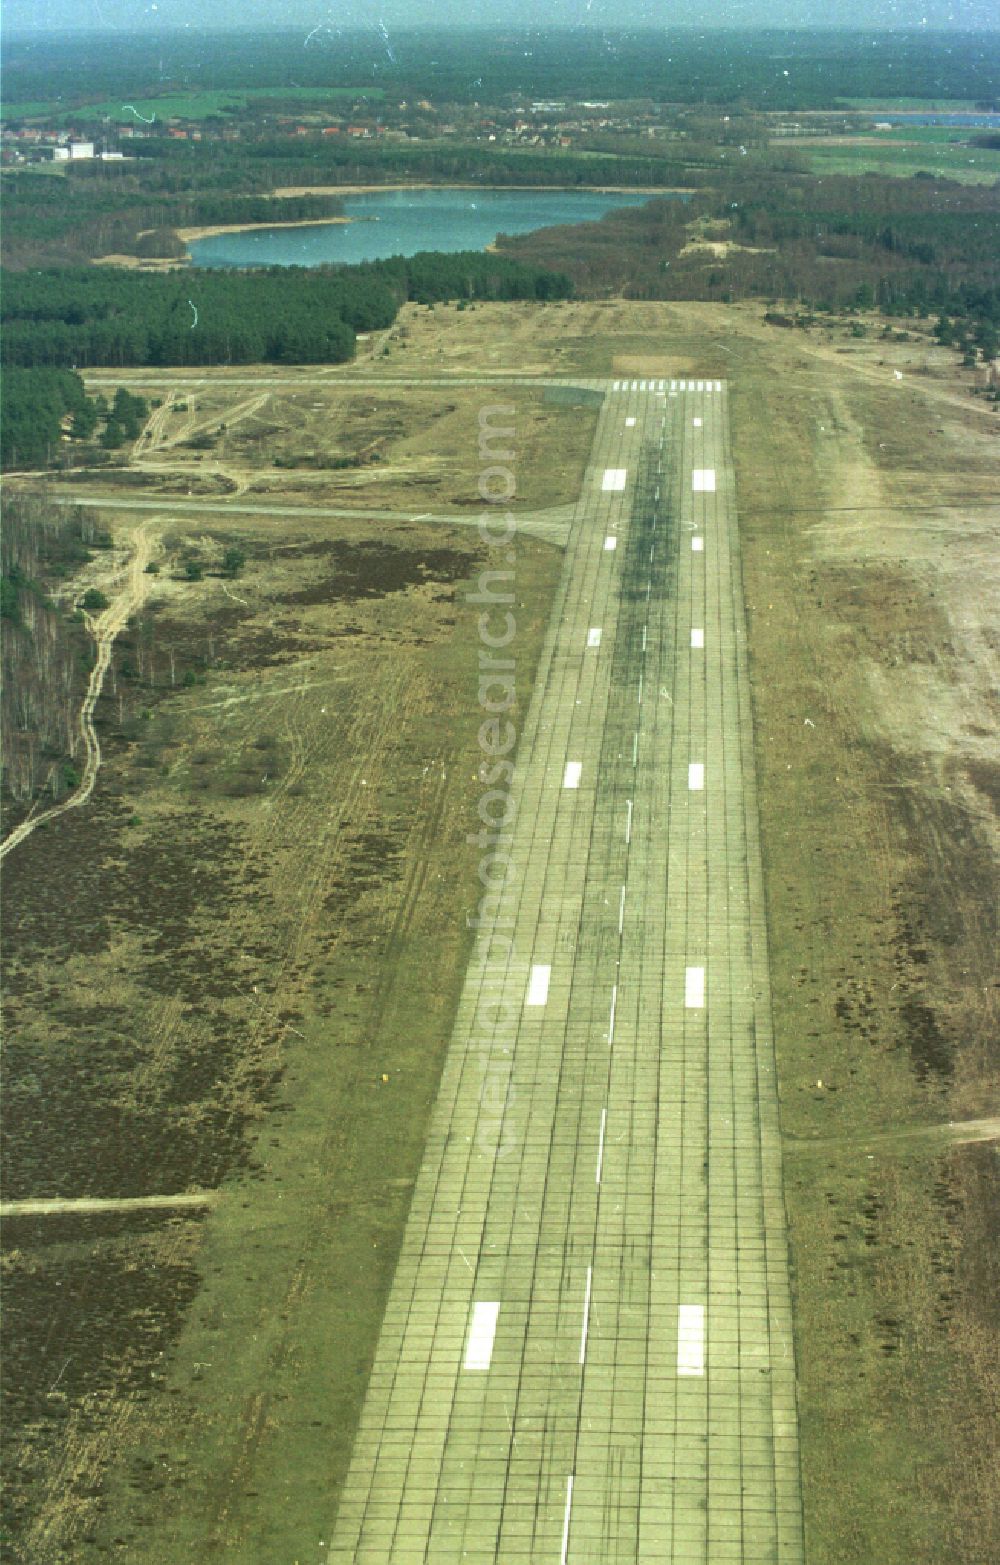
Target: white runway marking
<point>482,1330</point>
<point>698,545</point>
<point>697,637</point>
<point>569,1506</point>
<point>572,774</point>
<point>621,911</point>
<point>628,821</point>
<point>611,1019</point>
<point>640,689</point>
<point>538,986</point>
<point>586,1315</point>
<point>594,636</point>
<point>644,638</point>
<point>694,988</point>
<point>696,422</point>
<point>600,1146</point>
<point>690,1339</point>
<point>635,749</point>
<point>614,478</point>
<point>696,776</point>
<point>703,480</point>
<point>630,423</point>
<point>610,543</point>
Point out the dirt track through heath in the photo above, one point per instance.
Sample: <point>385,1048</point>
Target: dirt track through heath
<point>105,628</point>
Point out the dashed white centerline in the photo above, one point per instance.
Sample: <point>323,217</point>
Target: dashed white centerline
<point>482,1330</point>
<point>644,638</point>
<point>538,985</point>
<point>696,776</point>
<point>697,544</point>
<point>697,637</point>
<point>611,1018</point>
<point>621,911</point>
<point>572,774</point>
<point>690,1339</point>
<point>586,1315</point>
<point>569,1506</point>
<point>600,1146</point>
<point>628,821</point>
<point>694,988</point>
<point>640,689</point>
<point>594,636</point>
<point>635,749</point>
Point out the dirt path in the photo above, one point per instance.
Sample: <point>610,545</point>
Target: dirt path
<point>104,627</point>
<point>91,1205</point>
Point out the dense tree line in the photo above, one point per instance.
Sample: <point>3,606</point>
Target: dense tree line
<point>779,68</point>
<point>89,319</point>
<point>908,246</point>
<point>42,409</point>
<point>43,651</point>
<point>73,218</point>
<point>33,407</point>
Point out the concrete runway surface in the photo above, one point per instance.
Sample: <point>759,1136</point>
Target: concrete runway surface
<point>587,1351</point>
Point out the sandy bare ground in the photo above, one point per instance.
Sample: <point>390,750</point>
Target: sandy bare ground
<point>105,627</point>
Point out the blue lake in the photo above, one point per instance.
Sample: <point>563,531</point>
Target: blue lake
<point>402,222</point>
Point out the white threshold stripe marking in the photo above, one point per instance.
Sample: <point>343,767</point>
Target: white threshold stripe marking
<point>572,774</point>
<point>586,1315</point>
<point>703,480</point>
<point>569,1506</point>
<point>482,1330</point>
<point>628,821</point>
<point>696,776</point>
<point>614,478</point>
<point>698,545</point>
<point>611,1018</point>
<point>697,637</point>
<point>694,988</point>
<point>621,910</point>
<point>594,636</point>
<point>690,1339</point>
<point>600,1146</point>
<point>538,986</point>
<point>610,543</point>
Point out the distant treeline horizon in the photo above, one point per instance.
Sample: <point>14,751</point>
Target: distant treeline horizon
<point>765,68</point>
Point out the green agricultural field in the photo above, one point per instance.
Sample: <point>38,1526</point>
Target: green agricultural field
<point>187,105</point>
<point>969,165</point>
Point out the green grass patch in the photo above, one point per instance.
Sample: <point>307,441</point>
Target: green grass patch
<point>968,165</point>
<point>186,105</point>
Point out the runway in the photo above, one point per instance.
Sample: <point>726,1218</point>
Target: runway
<point>587,1351</point>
